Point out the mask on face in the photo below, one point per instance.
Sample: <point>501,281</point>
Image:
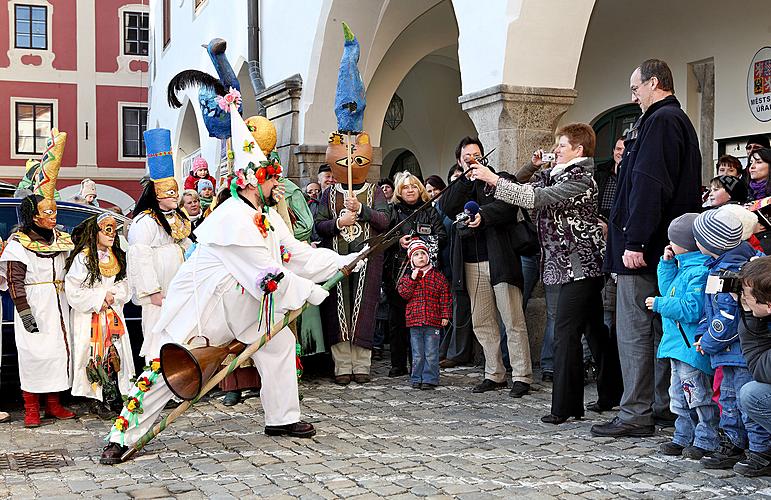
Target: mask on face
<point>166,188</point>
<point>46,214</point>
<point>361,156</point>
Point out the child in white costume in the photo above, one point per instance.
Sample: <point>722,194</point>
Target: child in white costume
<point>97,289</point>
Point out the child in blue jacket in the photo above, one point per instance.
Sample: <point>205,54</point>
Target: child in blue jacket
<point>719,235</point>
<point>682,276</point>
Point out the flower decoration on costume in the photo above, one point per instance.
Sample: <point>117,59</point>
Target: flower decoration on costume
<point>248,146</point>
<point>268,282</point>
<point>133,405</point>
<point>121,424</point>
<point>298,364</point>
<point>285,254</point>
<point>232,97</point>
<point>262,223</point>
<point>155,365</point>
<point>144,384</point>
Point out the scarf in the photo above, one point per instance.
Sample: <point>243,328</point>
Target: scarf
<point>758,188</point>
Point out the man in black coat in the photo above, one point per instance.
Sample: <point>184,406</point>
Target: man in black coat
<point>485,264</point>
<point>659,180</point>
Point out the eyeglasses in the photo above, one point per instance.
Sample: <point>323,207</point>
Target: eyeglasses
<point>635,88</point>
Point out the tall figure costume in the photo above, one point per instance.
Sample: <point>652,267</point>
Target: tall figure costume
<point>157,238</point>
<point>349,314</point>
<point>97,289</point>
<point>245,274</point>
<point>32,270</point>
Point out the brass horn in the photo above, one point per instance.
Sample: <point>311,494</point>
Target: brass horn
<point>186,370</point>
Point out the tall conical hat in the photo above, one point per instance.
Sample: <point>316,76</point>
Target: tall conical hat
<point>50,163</point>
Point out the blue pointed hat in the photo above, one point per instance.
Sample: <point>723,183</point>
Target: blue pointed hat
<point>160,161</point>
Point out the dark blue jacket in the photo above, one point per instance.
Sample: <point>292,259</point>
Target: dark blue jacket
<point>719,330</point>
<point>659,179</point>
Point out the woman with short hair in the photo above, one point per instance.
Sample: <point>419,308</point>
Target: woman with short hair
<point>565,202</point>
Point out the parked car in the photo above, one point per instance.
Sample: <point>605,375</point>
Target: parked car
<point>68,216</point>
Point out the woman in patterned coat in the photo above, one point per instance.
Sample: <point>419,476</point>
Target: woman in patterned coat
<point>565,201</point>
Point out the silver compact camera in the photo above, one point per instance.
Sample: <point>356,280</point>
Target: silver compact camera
<point>548,157</point>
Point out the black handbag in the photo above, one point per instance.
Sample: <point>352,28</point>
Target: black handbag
<point>525,236</point>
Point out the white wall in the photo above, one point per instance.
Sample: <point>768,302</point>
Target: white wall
<point>433,120</point>
<point>623,33</point>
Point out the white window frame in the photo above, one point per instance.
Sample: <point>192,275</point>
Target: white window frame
<point>15,54</point>
<point>31,100</point>
<point>121,105</point>
<point>123,32</point>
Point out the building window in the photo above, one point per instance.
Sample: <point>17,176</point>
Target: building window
<point>31,27</point>
<point>166,22</point>
<point>134,125</point>
<point>34,122</point>
<point>136,33</point>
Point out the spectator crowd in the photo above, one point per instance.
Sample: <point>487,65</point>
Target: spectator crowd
<point>656,288</point>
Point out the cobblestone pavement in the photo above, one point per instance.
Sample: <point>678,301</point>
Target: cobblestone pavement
<point>375,440</point>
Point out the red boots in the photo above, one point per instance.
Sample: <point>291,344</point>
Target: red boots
<point>55,409</point>
<point>31,409</point>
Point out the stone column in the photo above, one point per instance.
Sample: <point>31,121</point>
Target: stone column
<point>282,106</point>
<point>516,120</point>
<point>705,82</point>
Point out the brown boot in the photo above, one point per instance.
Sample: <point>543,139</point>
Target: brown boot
<point>31,409</point>
<point>55,409</point>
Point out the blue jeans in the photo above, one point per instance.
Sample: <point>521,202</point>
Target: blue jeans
<point>425,354</point>
<point>755,401</point>
<point>690,398</point>
<point>530,273</point>
<point>738,425</point>
<point>547,349</point>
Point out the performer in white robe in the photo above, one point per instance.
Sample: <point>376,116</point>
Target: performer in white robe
<point>97,290</point>
<point>157,238</point>
<point>32,270</point>
<point>217,294</point>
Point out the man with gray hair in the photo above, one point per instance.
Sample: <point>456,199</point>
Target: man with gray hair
<point>659,179</point>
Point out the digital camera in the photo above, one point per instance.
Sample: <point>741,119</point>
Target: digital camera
<point>548,157</point>
<point>724,282</point>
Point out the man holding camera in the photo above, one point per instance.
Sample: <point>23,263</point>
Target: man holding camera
<point>485,263</point>
<point>659,180</point>
<point>755,338</point>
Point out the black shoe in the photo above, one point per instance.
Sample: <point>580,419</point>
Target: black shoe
<point>519,389</point>
<point>554,419</point>
<point>547,377</point>
<point>488,385</point>
<point>672,449</point>
<point>665,419</point>
<point>112,453</point>
<point>596,407</point>
<point>397,371</point>
<point>725,457</point>
<point>100,410</point>
<point>416,385</point>
<point>754,464</point>
<point>232,398</point>
<point>696,453</point>
<point>427,387</point>
<point>361,378</point>
<point>297,429</point>
<point>617,428</point>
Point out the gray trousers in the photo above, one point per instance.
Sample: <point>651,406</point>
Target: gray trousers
<point>646,378</point>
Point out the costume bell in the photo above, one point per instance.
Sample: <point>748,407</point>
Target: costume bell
<point>97,289</point>
<point>32,270</point>
<point>236,283</point>
<point>157,238</point>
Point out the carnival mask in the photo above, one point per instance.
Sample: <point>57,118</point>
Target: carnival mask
<point>46,214</point>
<point>107,225</point>
<point>360,156</point>
<point>166,188</point>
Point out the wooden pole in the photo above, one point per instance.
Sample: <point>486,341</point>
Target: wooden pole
<point>246,354</point>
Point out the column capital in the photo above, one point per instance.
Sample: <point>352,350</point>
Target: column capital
<point>516,120</point>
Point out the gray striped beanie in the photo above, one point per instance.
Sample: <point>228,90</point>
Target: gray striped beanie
<point>718,231</point>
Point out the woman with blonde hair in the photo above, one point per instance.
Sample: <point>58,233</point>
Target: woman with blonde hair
<point>409,195</point>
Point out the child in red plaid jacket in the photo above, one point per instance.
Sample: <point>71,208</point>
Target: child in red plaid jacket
<point>429,307</point>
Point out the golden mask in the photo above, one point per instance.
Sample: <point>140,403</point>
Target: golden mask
<point>360,154</point>
<point>166,188</point>
<point>46,214</point>
<point>107,224</point>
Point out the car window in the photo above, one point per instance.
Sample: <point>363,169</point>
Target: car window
<point>8,220</point>
<point>69,218</point>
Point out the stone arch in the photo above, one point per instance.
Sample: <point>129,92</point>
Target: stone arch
<point>391,44</point>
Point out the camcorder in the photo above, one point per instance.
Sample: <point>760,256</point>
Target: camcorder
<point>724,282</point>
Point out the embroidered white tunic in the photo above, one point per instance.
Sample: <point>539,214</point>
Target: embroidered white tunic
<point>45,361</point>
<point>84,301</point>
